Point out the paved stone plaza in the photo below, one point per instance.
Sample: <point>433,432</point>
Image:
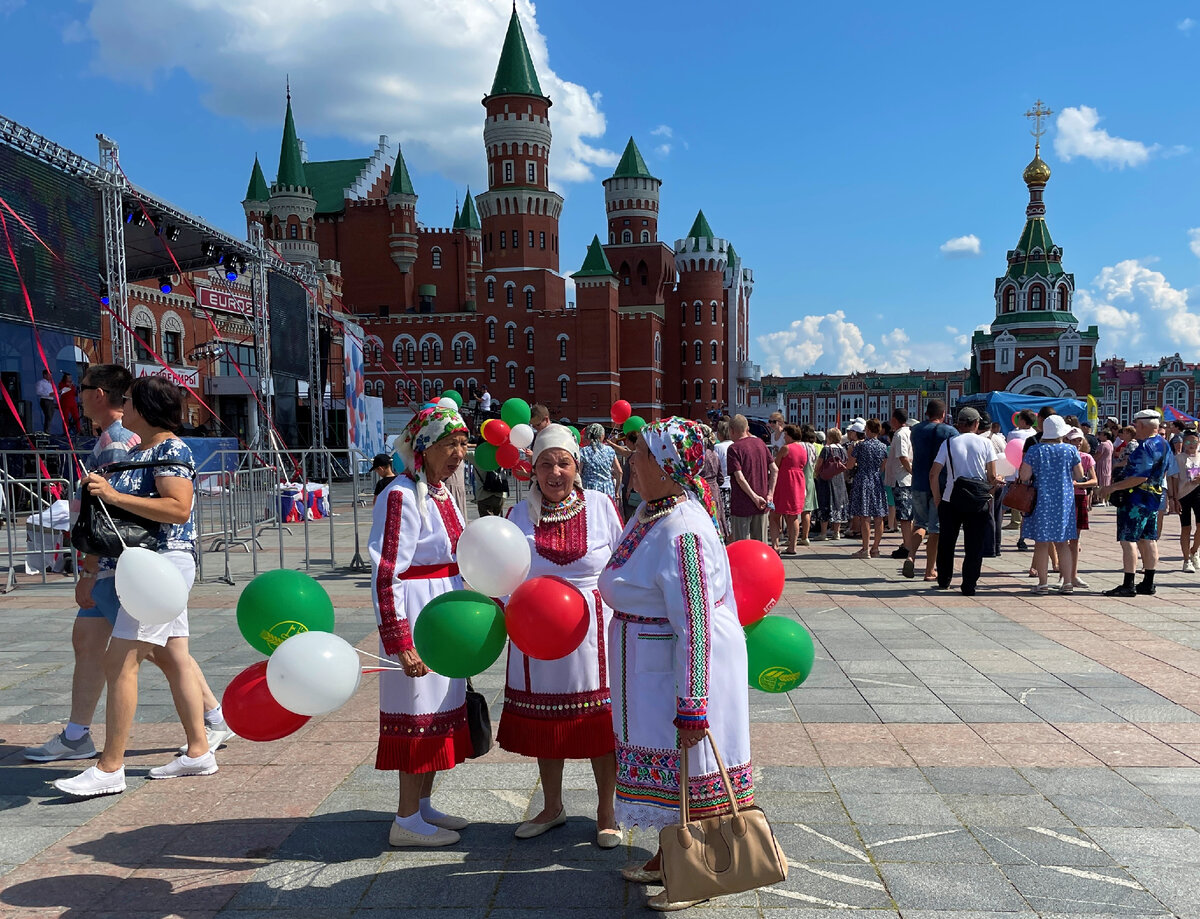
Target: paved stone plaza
<point>1001,755</point>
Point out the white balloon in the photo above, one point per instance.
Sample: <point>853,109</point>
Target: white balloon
<point>448,403</point>
<point>312,673</point>
<point>1003,467</point>
<point>521,436</point>
<point>493,556</point>
<point>151,589</point>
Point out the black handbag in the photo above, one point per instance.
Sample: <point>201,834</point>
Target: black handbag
<point>479,722</point>
<point>970,495</point>
<point>94,534</point>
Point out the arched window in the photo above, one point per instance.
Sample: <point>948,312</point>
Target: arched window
<point>458,352</point>
<point>529,377</point>
<point>491,324</point>
<point>714,313</point>
<point>426,388</point>
<point>562,349</point>
<point>657,348</point>
<point>293,231</point>
<point>643,274</point>
<point>508,293</point>
<point>645,236</point>
<point>714,352</point>
<point>698,314</point>
<point>1010,300</point>
<point>437,352</point>
<point>512,375</point>
<point>624,274</point>
<point>626,236</point>
<point>425,352</point>
<point>436,254</point>
<point>529,299</point>
<point>529,340</point>
<point>699,352</point>
<point>1035,298</point>
<point>491,289</point>
<point>562,388</point>
<point>1063,300</point>
<point>492,362</point>
<point>512,334</point>
<point>699,391</point>
<point>1175,394</point>
<point>470,351</point>
<point>458,386</point>
<point>713,384</point>
<point>683,388</point>
<point>612,237</point>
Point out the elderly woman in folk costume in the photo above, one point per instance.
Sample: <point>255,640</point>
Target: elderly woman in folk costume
<point>677,651</point>
<point>562,709</point>
<point>414,535</point>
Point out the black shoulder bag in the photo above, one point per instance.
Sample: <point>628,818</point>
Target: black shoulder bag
<point>108,531</point>
<point>969,495</point>
<point>479,722</point>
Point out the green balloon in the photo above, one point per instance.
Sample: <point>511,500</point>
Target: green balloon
<point>779,652</point>
<point>453,396</point>
<point>279,604</point>
<point>460,633</point>
<point>485,457</point>
<point>633,424</point>
<point>514,412</point>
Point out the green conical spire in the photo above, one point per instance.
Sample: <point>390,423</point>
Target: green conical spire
<point>700,229</point>
<point>291,167</point>
<point>257,189</point>
<point>470,216</point>
<point>632,166</point>
<point>401,183</point>
<point>515,73</point>
<point>731,256</point>
<point>595,264</point>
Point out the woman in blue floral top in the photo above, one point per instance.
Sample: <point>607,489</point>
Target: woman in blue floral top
<point>153,410</point>
<point>600,469</point>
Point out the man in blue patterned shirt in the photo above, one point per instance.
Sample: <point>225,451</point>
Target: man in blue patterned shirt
<point>1141,486</point>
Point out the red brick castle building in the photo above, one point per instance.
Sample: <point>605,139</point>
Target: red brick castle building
<point>484,301</point>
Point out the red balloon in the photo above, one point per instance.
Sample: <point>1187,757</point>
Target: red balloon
<point>547,617</point>
<point>621,410</point>
<point>252,711</point>
<point>506,454</point>
<point>496,432</point>
<point>523,471</point>
<point>757,573</point>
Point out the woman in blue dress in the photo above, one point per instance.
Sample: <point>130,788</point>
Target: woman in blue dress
<point>1054,468</point>
<point>868,502</point>
<point>600,469</point>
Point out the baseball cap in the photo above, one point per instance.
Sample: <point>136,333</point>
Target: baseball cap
<point>1074,434</point>
<point>381,460</point>
<point>967,415</point>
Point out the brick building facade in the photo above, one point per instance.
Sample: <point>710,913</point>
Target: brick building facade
<point>832,400</point>
<point>483,301</point>
<point>1125,389</point>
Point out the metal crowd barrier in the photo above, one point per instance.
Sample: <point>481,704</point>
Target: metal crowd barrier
<point>35,493</point>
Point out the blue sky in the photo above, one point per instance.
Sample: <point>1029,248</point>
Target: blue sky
<point>839,149</point>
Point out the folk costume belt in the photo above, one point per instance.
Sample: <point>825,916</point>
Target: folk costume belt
<point>428,572</point>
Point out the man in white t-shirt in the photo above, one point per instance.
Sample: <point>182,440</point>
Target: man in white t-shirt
<point>897,475</point>
<point>485,399</point>
<point>968,456</point>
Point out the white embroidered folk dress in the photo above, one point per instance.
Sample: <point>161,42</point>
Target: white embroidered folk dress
<point>562,709</point>
<point>422,720</point>
<point>677,659</point>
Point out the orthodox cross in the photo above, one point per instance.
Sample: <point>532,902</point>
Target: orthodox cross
<point>1037,113</point>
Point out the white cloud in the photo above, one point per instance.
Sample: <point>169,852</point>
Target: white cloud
<point>663,149</point>
<point>1194,241</point>
<point>415,71</point>
<point>74,32</point>
<point>1078,135</point>
<point>961,246</point>
<point>1140,315</point>
<point>1186,25</point>
<point>663,130</point>
<point>830,344</point>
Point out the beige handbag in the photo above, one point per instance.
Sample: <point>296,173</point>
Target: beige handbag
<point>720,855</point>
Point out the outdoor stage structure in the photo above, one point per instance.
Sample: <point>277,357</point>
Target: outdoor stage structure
<point>84,238</point>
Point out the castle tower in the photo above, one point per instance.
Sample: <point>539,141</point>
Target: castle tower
<point>701,259</point>
<point>1034,345</point>
<point>257,203</point>
<point>631,200</point>
<point>466,223</point>
<point>519,211</point>
<point>597,374</point>
<point>293,207</point>
<point>402,205</point>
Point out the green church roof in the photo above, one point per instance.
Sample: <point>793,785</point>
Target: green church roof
<point>1035,235</point>
<point>595,265</point>
<point>329,179</point>
<point>632,166</point>
<point>700,229</point>
<point>401,182</point>
<point>257,189</point>
<point>291,167</point>
<point>515,73</point>
<point>469,220</point>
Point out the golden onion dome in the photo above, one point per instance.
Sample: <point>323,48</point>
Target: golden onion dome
<point>1037,172</point>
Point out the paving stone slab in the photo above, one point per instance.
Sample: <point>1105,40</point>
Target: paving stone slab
<point>977,780</point>
<point>921,843</point>
<point>1039,845</point>
<point>1155,846</point>
<point>946,887</point>
<point>925,808</point>
<point>838,885</point>
<point>1100,890</point>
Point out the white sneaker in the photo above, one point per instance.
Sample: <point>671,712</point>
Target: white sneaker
<point>1195,560</point>
<point>92,782</point>
<point>185,765</point>
<point>1189,567</point>
<point>58,747</point>
<point>1081,584</point>
<point>217,734</point>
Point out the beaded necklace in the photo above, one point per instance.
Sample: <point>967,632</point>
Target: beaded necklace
<point>565,509</point>
<point>660,507</point>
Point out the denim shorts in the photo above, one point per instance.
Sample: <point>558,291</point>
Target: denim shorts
<point>925,514</point>
<point>904,501</point>
<point>104,595</point>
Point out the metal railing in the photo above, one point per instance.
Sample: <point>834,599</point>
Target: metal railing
<point>35,491</point>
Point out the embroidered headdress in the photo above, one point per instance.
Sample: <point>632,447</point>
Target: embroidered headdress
<point>427,427</point>
<point>677,445</point>
<point>551,437</point>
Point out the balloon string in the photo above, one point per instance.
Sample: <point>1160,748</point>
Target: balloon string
<point>386,660</point>
<point>381,669</point>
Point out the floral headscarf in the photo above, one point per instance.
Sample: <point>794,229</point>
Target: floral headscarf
<point>427,427</point>
<point>677,445</point>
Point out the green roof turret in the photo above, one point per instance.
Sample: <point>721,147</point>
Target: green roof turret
<point>595,264</point>
<point>291,166</point>
<point>401,182</point>
<point>731,256</point>
<point>470,216</point>
<point>257,189</point>
<point>632,166</point>
<point>515,73</point>
<point>700,229</point>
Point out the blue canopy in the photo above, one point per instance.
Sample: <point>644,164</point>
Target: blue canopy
<point>1003,406</point>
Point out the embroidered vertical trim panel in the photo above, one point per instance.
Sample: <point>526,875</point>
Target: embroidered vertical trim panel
<point>453,523</point>
<point>394,630</point>
<point>692,708</point>
<point>603,668</point>
<point>624,681</point>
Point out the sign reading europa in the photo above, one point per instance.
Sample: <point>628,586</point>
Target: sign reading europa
<point>211,299</point>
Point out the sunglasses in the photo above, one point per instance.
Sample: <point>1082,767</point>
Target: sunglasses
<point>85,388</point>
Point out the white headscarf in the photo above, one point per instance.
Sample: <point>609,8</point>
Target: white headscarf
<point>551,437</point>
